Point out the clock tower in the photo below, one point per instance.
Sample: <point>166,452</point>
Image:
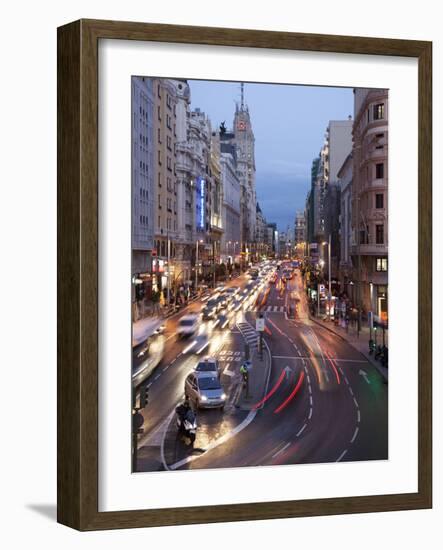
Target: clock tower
<point>245,147</point>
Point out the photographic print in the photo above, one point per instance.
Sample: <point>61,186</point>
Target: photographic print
<point>259,274</point>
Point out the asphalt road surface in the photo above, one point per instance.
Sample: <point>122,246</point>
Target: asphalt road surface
<point>324,402</point>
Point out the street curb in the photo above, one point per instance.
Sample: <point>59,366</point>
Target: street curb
<point>367,357</point>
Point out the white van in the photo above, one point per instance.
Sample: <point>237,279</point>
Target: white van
<point>187,325</point>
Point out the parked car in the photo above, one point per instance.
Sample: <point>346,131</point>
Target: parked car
<point>204,389</point>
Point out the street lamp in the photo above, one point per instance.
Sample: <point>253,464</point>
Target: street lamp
<point>328,243</point>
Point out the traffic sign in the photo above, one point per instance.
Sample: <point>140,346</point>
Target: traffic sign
<point>260,324</point>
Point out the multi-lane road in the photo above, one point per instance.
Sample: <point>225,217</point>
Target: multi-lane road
<point>323,401</point>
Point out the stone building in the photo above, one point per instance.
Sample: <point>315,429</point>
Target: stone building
<point>370,199</point>
<point>143,192</point>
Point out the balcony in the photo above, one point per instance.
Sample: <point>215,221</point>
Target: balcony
<point>374,185</point>
<point>370,250</point>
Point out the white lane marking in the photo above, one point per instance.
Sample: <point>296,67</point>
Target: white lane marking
<point>358,415</point>
<point>310,400</point>
<point>228,372</point>
<point>341,370</point>
<point>310,414</point>
<point>218,441</point>
<point>309,379</point>
<point>342,455</point>
<point>281,450</point>
<point>355,434</point>
<point>309,388</point>
<point>350,390</point>
<point>301,430</point>
<point>286,357</point>
<point>165,368</point>
<point>346,380</point>
<point>162,446</point>
<point>156,377</point>
<point>355,401</point>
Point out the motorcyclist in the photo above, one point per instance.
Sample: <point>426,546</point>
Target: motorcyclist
<point>183,409</point>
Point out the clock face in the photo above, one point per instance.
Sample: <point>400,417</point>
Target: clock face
<point>241,125</point>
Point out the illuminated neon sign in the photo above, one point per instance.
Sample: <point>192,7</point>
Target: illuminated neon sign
<point>200,202</point>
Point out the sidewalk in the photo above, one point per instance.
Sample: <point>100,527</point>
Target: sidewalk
<point>360,343</point>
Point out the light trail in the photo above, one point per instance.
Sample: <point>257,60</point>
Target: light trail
<point>292,394</point>
<point>271,392</point>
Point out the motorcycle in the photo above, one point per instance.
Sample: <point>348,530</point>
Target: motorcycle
<point>186,423</point>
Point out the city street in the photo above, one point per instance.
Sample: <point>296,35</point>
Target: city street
<point>320,400</point>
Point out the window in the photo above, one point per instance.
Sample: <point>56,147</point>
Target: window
<point>159,179</point>
<point>159,135</point>
<point>379,200</point>
<point>169,142</point>
<point>381,264</point>
<point>379,233</point>
<point>158,90</point>
<point>379,170</point>
<point>159,157</point>
<point>379,111</point>
<point>159,113</point>
<point>169,163</point>
<point>159,201</point>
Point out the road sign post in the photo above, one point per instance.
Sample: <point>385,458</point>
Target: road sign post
<point>260,327</point>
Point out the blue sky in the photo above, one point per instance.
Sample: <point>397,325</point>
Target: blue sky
<point>289,123</point>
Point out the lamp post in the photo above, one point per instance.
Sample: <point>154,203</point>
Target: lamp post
<point>328,243</point>
<point>168,280</point>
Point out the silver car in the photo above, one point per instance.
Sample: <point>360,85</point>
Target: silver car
<point>208,364</point>
<point>205,390</point>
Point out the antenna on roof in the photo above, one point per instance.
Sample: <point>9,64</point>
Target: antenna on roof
<point>242,96</point>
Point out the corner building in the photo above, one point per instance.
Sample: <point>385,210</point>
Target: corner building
<point>370,199</point>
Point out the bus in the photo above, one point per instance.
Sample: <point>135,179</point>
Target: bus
<point>148,354</point>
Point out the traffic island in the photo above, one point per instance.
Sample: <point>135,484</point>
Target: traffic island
<point>254,389</point>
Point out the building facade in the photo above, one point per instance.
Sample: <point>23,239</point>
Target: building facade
<point>370,199</point>
<point>143,192</point>
<point>300,234</point>
<point>345,267</point>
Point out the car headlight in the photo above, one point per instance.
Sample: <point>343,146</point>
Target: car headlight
<point>223,396</point>
<point>204,398</point>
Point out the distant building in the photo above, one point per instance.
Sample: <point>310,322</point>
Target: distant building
<point>260,233</point>
<point>231,238</point>
<point>300,233</point>
<point>242,139</point>
<point>272,238</point>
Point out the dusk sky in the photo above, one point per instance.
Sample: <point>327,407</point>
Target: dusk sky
<point>289,124</point>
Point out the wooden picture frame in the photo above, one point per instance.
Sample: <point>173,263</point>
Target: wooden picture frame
<point>78,273</point>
